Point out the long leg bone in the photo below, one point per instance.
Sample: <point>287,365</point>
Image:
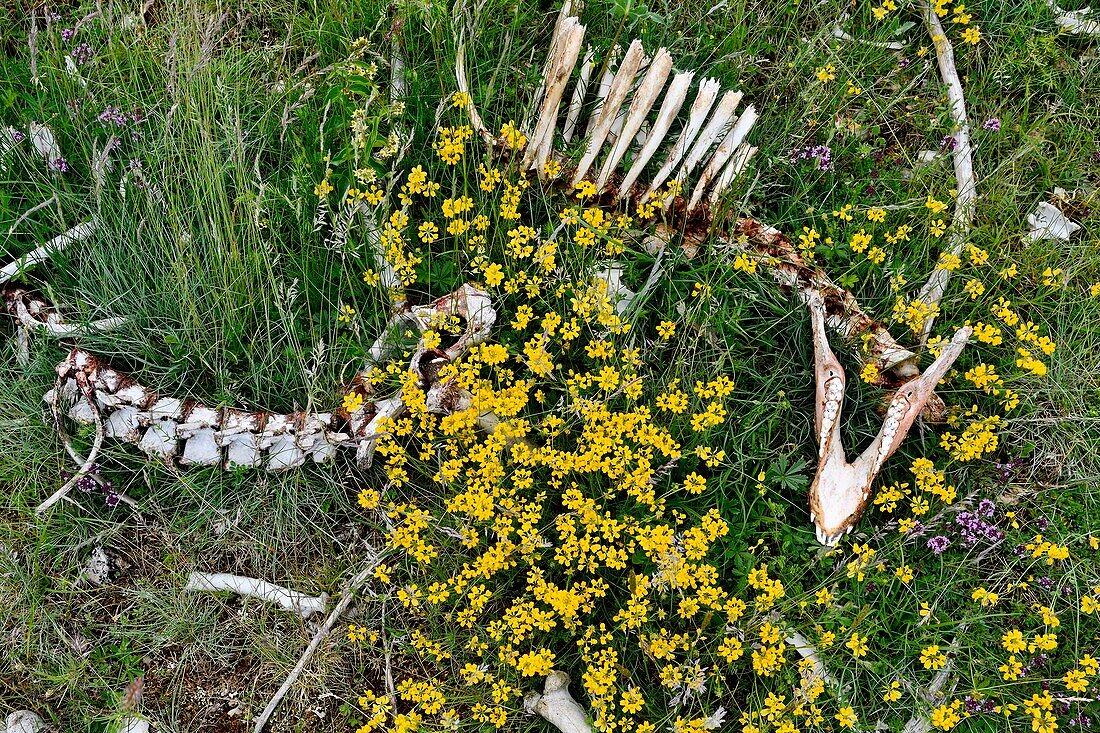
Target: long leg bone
<point>841,490</point>
<point>962,160</point>
<point>300,603</point>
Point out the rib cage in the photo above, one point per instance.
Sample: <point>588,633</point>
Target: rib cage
<point>638,121</point>
<point>709,136</point>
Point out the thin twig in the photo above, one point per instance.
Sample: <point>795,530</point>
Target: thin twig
<point>349,595</point>
<point>963,161</point>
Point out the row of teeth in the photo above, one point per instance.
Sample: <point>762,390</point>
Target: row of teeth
<point>834,395</point>
<point>898,407</point>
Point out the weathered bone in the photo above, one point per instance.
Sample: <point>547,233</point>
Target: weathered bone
<point>674,100</point>
<point>717,124</point>
<point>737,165</point>
<point>78,233</point>
<point>557,707</point>
<point>962,160</point>
<point>697,115</point>
<point>841,490</point>
<point>573,113</point>
<point>300,603</point>
<point>723,153</point>
<point>643,101</point>
<point>616,94</point>
<point>568,48</point>
<point>1077,22</point>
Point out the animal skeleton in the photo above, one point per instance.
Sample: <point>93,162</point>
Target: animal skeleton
<point>710,149</point>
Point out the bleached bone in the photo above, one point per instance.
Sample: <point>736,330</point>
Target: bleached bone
<point>962,160</point>
<point>557,707</point>
<point>717,125</point>
<point>573,112</point>
<point>603,88</point>
<point>697,115</point>
<point>621,296</point>
<point>673,101</point>
<point>464,86</point>
<point>23,721</point>
<point>77,234</point>
<point>35,314</point>
<point>567,49</point>
<point>723,153</point>
<point>841,490</point>
<point>44,142</point>
<point>616,94</point>
<point>1077,22</point>
<point>737,165</point>
<point>643,101</point>
<point>1048,222</point>
<point>300,603</point>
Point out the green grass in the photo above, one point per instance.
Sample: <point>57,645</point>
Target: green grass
<point>232,289</point>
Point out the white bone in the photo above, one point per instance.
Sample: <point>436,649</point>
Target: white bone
<point>557,707</point>
<point>697,115</point>
<point>160,439</point>
<point>300,603</point>
<point>45,144</point>
<point>1077,22</point>
<point>603,88</point>
<point>723,153</point>
<point>616,93</point>
<point>673,101</point>
<point>122,424</point>
<point>573,113</point>
<point>621,296</point>
<point>714,129</point>
<point>1048,222</point>
<point>464,86</point>
<point>568,48</point>
<point>643,101</point>
<point>737,165</point>
<point>76,234</point>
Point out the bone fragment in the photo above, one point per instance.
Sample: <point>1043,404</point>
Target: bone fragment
<point>78,233</point>
<point>697,115</point>
<point>643,101</point>
<point>576,102</point>
<point>723,153</point>
<point>568,48</point>
<point>673,101</point>
<point>300,603</point>
<point>557,707</point>
<point>616,94</point>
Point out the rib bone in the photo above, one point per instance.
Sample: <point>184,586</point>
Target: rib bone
<point>643,101</point>
<point>704,99</point>
<point>299,603</point>
<point>616,93</point>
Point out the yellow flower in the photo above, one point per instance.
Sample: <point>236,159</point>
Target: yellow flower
<point>512,136</point>
<point>460,100</point>
<point>869,373</point>
<point>846,717</point>
<point>826,73</point>
<point>857,645</point>
<point>892,693</point>
<point>972,35</point>
<point>552,169</point>
<point>694,483</point>
<point>1011,670</point>
<point>932,658</point>
<point>345,314</point>
<point>322,189</point>
<point>904,573</point>
<point>665,329</point>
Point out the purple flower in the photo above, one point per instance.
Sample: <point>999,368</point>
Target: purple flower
<point>82,54</point>
<point>60,165</point>
<point>938,544</point>
<point>67,35</point>
<point>992,124</point>
<point>74,106</point>
<point>112,116</point>
<point>19,137</point>
<point>821,154</point>
<point>904,63</point>
<point>949,142</point>
<point>986,507</point>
